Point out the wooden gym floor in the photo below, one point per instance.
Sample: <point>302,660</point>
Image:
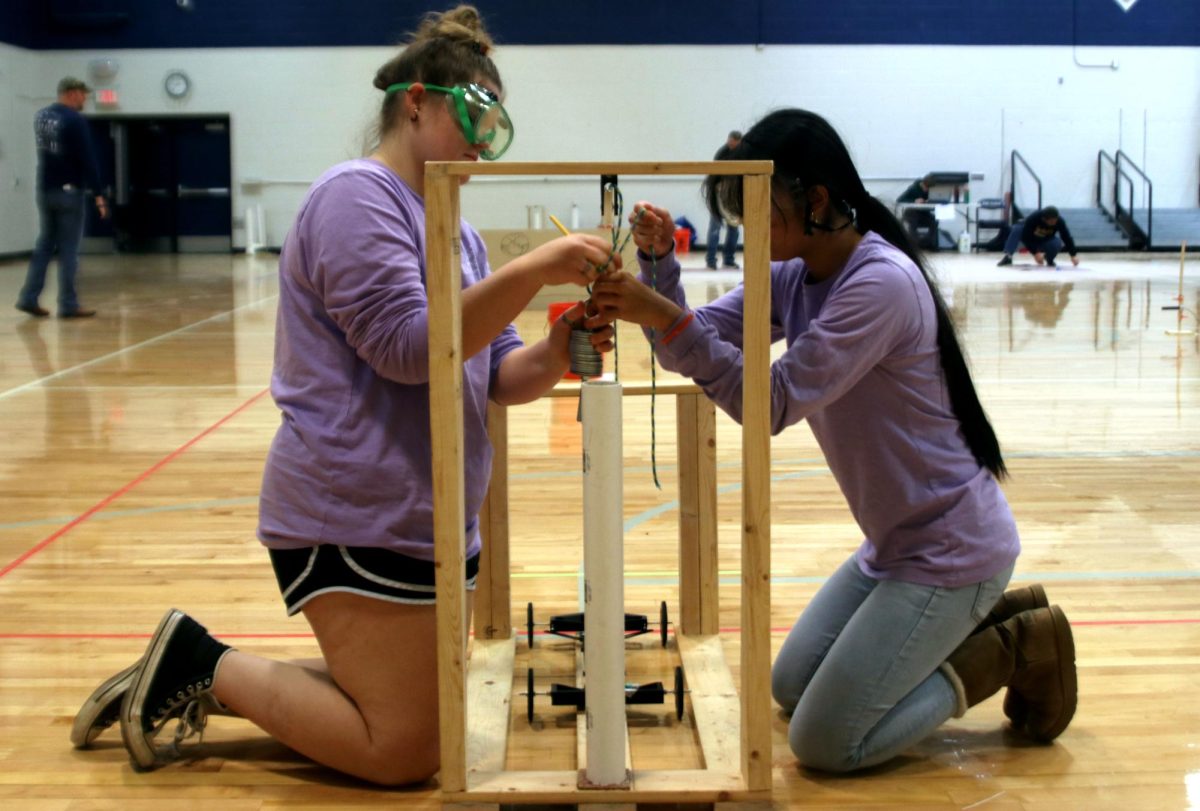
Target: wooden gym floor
<point>134,444</point>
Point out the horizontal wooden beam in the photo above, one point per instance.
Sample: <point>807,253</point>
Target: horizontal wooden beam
<point>623,168</point>
<point>630,389</point>
<point>648,786</point>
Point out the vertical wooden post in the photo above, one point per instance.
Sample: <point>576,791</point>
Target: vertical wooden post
<point>493,595</point>
<point>696,421</point>
<point>443,273</point>
<point>756,488</point>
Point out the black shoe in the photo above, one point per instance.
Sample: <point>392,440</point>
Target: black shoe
<point>710,267</point>
<point>34,310</point>
<point>1050,263</point>
<point>1007,260</point>
<point>731,266</point>
<point>77,313</point>
<point>102,708</point>
<point>175,674</point>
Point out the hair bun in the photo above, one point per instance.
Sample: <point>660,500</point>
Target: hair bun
<point>462,24</point>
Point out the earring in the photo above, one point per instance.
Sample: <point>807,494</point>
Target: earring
<point>415,115</point>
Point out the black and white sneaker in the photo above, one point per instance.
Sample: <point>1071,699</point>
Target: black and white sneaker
<point>103,707</point>
<point>174,677</point>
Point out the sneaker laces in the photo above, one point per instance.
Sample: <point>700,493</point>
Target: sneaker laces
<point>192,722</point>
<point>183,697</point>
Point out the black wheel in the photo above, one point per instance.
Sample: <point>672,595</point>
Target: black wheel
<point>529,696</point>
<point>529,624</point>
<point>678,693</point>
<point>662,622</point>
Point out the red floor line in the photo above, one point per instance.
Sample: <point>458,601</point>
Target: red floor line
<point>54,536</point>
<point>147,635</point>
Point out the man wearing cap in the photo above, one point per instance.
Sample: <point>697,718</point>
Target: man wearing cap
<point>66,166</point>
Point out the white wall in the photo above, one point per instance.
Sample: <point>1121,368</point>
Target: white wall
<point>902,110</point>
<point>17,156</point>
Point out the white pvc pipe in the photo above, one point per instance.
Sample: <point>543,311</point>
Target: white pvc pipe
<point>260,216</point>
<point>256,237</point>
<point>251,232</point>
<point>604,588</point>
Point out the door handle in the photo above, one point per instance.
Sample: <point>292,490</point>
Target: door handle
<point>218,191</point>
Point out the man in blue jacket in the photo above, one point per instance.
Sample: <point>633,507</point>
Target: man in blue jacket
<point>66,167</point>
<point>1040,232</point>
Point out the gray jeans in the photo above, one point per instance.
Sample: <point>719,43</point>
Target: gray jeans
<point>858,671</point>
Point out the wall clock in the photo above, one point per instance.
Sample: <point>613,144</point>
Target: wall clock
<point>177,84</point>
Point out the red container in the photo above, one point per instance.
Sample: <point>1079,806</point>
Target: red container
<point>554,312</point>
<point>683,241</point>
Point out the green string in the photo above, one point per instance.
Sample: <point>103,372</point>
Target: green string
<point>617,251</point>
<point>653,380</point>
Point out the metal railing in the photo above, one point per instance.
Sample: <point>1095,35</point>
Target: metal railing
<point>1129,213</point>
<point>1012,187</point>
<point>1106,193</point>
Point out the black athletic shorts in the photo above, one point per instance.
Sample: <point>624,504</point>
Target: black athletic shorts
<point>380,573</point>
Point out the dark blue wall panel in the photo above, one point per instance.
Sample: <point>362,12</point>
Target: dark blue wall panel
<point>112,24</point>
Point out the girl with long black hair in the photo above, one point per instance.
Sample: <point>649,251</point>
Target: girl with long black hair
<point>900,638</point>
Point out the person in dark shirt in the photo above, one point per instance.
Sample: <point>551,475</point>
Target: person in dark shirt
<point>66,166</point>
<point>919,220</point>
<point>1044,233</point>
<point>917,192</point>
<point>714,223</point>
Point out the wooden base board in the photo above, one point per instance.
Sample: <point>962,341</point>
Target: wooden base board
<point>715,709</point>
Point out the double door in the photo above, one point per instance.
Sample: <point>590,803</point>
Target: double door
<point>168,181</point>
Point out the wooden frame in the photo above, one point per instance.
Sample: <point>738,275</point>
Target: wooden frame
<point>473,755</point>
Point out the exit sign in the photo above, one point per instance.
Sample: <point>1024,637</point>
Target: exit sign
<point>106,97</point>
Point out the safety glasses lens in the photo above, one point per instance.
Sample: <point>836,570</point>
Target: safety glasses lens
<point>489,121</point>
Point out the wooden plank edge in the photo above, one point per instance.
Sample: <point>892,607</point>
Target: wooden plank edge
<point>489,696</point>
<point>584,168</point>
<point>716,706</point>
<point>649,786</point>
<point>630,389</point>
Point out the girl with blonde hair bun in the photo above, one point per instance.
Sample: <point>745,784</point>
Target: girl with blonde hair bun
<point>346,508</point>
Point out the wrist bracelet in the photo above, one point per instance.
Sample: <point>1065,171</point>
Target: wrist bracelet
<point>673,333</point>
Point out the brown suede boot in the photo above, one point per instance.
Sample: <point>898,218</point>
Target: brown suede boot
<point>1011,603</point>
<point>1033,654</point>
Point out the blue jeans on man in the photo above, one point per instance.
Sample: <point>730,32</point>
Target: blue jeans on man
<point>61,212</point>
<point>1047,247</point>
<point>714,237</point>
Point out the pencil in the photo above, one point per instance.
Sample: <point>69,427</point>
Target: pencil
<point>559,225</point>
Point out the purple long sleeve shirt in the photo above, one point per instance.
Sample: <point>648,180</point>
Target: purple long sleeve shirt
<point>351,462</point>
<point>863,367</point>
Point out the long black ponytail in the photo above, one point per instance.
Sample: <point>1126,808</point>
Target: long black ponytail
<point>808,152</point>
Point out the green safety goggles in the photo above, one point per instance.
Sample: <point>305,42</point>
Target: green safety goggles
<point>480,114</point>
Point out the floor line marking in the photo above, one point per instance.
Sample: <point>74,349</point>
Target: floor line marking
<point>161,463</point>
